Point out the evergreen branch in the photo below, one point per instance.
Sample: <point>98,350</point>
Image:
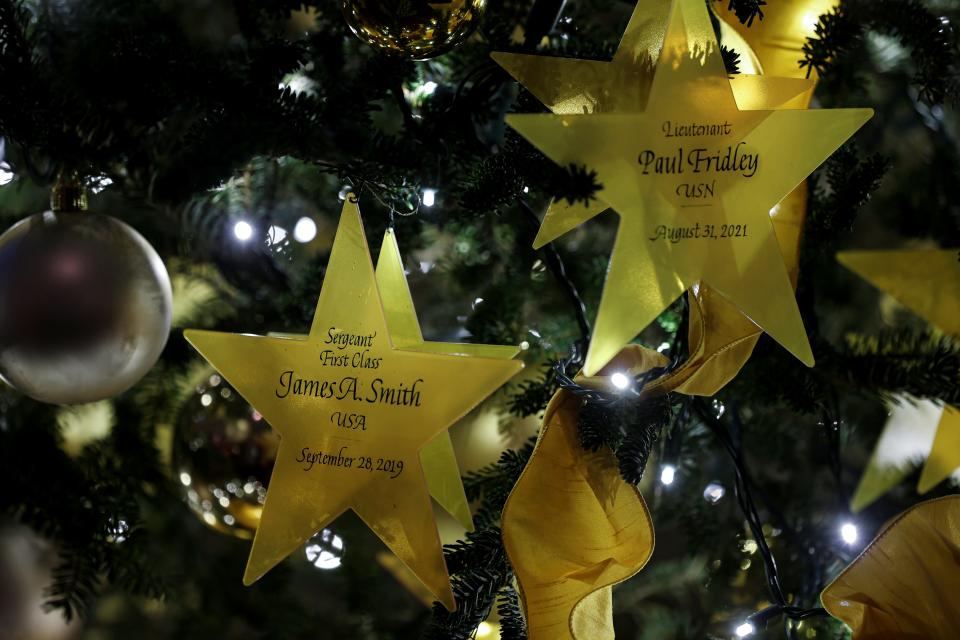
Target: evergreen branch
<point>533,396</point>
<point>629,428</point>
<point>492,484</point>
<point>747,10</point>
<point>850,185</point>
<point>479,567</point>
<point>513,626</point>
<point>931,40</point>
<point>731,60</point>
<point>76,582</point>
<point>922,365</point>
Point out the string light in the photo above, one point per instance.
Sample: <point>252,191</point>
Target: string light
<point>325,550</point>
<point>305,230</point>
<point>429,197</point>
<point>744,630</point>
<point>429,87</point>
<point>243,231</point>
<point>810,21</point>
<point>117,533</point>
<point>714,492</point>
<point>849,532</point>
<point>620,381</point>
<point>276,235</point>
<point>668,474</point>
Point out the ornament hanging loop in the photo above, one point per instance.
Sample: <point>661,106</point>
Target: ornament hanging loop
<point>68,194</point>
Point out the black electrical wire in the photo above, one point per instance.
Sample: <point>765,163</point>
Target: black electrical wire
<point>743,483</point>
<point>559,271</point>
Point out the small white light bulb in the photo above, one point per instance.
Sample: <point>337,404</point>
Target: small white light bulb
<point>849,532</point>
<point>243,231</point>
<point>276,235</point>
<point>305,230</point>
<point>668,474</point>
<point>744,630</point>
<point>429,197</point>
<point>714,492</point>
<point>429,87</point>
<point>620,381</point>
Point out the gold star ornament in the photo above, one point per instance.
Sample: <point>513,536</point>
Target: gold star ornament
<point>691,163</point>
<point>354,409</point>
<point>926,281</point>
<point>438,457</point>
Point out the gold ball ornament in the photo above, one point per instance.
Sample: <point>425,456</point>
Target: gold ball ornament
<point>415,29</point>
<point>223,454</point>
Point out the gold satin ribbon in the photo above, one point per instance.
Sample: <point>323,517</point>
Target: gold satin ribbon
<point>572,527</point>
<point>906,584</point>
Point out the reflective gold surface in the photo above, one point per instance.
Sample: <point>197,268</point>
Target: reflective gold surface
<point>353,412</point>
<point>223,453</point>
<point>415,29</point>
<point>620,119</point>
<point>906,584</point>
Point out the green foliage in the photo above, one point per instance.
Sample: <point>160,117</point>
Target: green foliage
<point>628,427</point>
<point>931,39</point>
<point>492,484</point>
<point>850,182</point>
<point>512,624</point>
<point>747,10</point>
<point>479,567</point>
<point>532,396</point>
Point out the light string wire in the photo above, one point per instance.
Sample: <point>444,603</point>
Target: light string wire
<point>743,489</point>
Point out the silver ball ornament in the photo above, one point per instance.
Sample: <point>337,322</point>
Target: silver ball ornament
<point>85,307</point>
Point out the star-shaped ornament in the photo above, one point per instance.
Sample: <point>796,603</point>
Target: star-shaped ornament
<point>354,410</point>
<point>691,163</point>
<point>926,281</point>
<point>437,457</point>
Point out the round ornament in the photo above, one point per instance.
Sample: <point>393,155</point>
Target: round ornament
<point>223,453</point>
<point>85,304</point>
<point>415,29</point>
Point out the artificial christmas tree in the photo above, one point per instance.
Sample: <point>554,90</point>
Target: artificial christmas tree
<point>694,483</point>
